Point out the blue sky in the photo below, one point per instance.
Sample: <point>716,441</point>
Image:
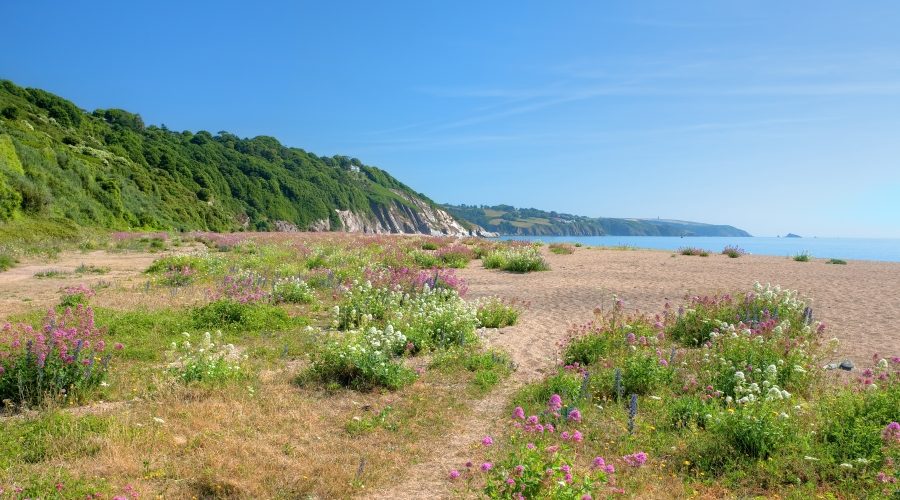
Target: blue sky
<point>772,116</point>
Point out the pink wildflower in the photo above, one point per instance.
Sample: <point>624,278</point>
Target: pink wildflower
<point>487,441</point>
<point>454,474</point>
<point>635,459</point>
<point>891,433</point>
<point>519,413</point>
<point>575,415</point>
<point>487,466</point>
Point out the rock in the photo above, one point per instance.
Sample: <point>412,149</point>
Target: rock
<point>846,365</point>
<point>831,366</point>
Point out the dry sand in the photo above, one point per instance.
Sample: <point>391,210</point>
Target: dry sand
<point>860,303</point>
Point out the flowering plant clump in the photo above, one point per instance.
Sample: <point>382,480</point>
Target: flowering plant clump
<point>733,251</point>
<point>209,360</point>
<point>542,459</point>
<point>517,259</point>
<point>438,318</point>
<point>494,312</point>
<point>75,295</point>
<point>292,290</point>
<point>456,255</point>
<point>363,360</point>
<point>362,303</point>
<point>244,288</point>
<point>66,356</point>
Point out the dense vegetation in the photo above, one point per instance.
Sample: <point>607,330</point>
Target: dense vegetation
<point>108,169</point>
<point>505,219</point>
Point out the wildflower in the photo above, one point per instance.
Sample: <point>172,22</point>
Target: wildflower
<point>487,466</point>
<point>598,462</point>
<point>587,496</point>
<point>846,465</point>
<point>884,478</point>
<point>635,459</point>
<point>574,415</point>
<point>469,465</point>
<point>532,420</point>
<point>564,436</point>
<point>891,433</point>
<point>577,437</point>
<point>555,402</point>
<point>519,413</point>
<point>454,474</point>
<point>510,481</point>
<point>487,441</point>
<point>520,469</point>
<point>530,446</point>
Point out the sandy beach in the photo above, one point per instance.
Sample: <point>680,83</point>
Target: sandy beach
<point>858,301</point>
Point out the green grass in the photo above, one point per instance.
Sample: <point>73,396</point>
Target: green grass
<point>802,257</point>
<point>485,368</point>
<point>836,261</point>
<point>6,262</point>
<point>524,259</point>
<point>495,313</point>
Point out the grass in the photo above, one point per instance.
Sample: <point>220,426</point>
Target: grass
<point>255,433</point>
<point>836,261</point>
<point>51,273</point>
<point>802,257</point>
<point>6,262</point>
<point>561,248</point>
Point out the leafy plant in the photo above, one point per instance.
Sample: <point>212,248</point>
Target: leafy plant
<point>522,259</point>
<point>209,361</point>
<point>802,257</point>
<point>66,358</point>
<point>734,251</point>
<point>494,312</point>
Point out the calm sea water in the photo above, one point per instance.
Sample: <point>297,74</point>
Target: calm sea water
<point>837,248</point>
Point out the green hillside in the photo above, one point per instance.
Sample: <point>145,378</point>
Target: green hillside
<point>508,220</point>
<point>107,169</point>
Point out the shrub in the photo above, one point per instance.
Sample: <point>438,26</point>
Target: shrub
<point>733,251</point>
<point>587,349</point>
<point>645,372</point>
<point>208,362</point>
<point>693,251</point>
<point>561,248</point>
<point>836,261</point>
<point>429,245</point>
<point>523,259</point>
<point>66,357</point>
<point>425,260</point>
<point>363,302</point>
<point>362,361</point>
<point>75,296</point>
<point>292,290</point>
<point>455,256</point>
<point>753,430</point>
<point>439,318</point>
<point>494,312</point>
<point>802,257</point>
<point>6,262</point>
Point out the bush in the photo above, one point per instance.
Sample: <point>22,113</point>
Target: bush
<point>643,373</point>
<point>516,259</point>
<point>693,251</point>
<point>455,256</point>
<point>74,296</point>
<point>429,245</point>
<point>363,302</point>
<point>362,361</point>
<point>733,251</point>
<point>292,290</point>
<point>6,262</point>
<point>64,359</point>
<point>587,349</point>
<point>208,361</point>
<point>836,261</point>
<point>439,318</point>
<point>494,312</point>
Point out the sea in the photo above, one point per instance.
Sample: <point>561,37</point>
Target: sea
<point>829,248</point>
